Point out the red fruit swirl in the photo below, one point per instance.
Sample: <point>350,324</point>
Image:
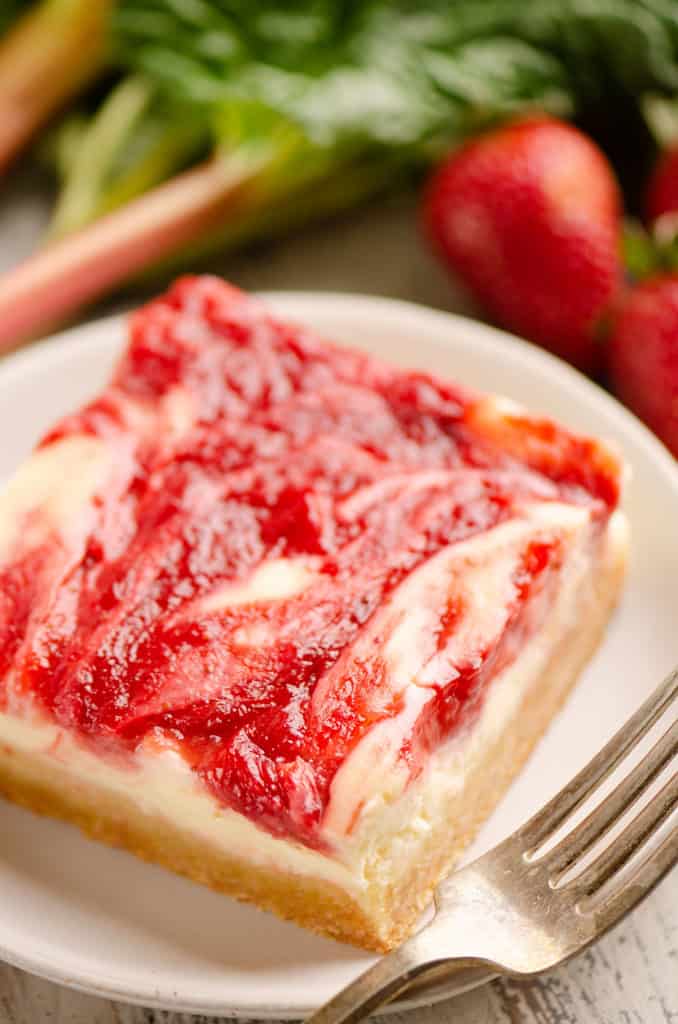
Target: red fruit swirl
<point>291,448</point>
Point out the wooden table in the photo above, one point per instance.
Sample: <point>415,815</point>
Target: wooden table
<point>631,977</point>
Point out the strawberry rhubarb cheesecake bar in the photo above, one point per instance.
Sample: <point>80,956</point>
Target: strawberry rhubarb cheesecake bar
<point>287,619</point>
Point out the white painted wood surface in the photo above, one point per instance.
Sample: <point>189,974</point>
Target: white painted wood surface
<point>631,976</point>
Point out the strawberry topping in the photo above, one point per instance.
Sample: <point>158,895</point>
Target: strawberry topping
<point>240,580</point>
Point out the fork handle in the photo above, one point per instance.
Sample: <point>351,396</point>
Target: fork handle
<point>393,974</point>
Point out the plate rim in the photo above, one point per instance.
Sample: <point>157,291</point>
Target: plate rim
<point>511,349</point>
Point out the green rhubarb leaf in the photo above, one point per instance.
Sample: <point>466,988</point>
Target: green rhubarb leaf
<point>316,89</point>
<point>349,75</point>
<point>389,77</point>
<point>297,100</point>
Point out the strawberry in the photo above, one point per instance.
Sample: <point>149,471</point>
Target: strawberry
<point>643,355</point>
<point>661,196</point>
<point>529,217</point>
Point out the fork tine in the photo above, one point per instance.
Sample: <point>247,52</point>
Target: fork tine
<point>649,873</point>
<point>603,817</point>
<point>618,853</point>
<point>557,810</point>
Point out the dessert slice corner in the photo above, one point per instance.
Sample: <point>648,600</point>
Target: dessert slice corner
<point>287,620</point>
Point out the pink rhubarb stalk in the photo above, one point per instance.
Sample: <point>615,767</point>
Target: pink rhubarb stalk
<point>54,283</point>
<point>46,58</point>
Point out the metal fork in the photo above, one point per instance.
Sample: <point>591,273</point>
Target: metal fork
<point>529,904</point>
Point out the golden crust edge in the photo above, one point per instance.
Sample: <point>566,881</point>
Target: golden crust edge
<point>391,911</point>
<point>522,732</point>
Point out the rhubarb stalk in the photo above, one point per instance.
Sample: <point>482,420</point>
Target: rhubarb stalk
<point>73,271</point>
<point>46,57</point>
<point>222,203</point>
<point>337,96</point>
<point>132,143</point>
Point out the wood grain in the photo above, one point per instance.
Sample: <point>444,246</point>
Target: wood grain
<point>629,977</point>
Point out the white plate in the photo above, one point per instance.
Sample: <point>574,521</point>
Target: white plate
<point>100,920</point>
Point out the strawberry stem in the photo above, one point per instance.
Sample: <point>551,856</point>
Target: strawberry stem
<point>647,253</point>
<point>45,58</point>
<point>639,252</point>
